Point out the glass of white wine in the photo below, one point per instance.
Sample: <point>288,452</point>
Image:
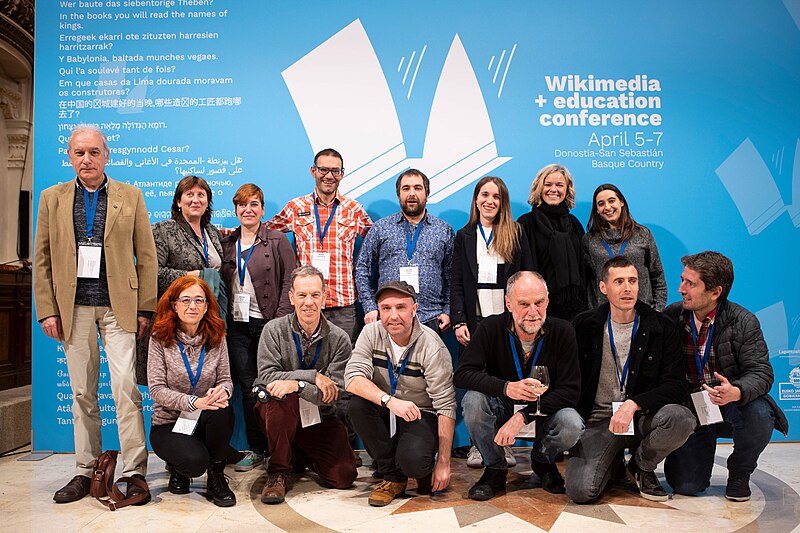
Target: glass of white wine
<point>542,375</point>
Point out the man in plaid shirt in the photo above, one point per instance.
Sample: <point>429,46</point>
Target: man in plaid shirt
<point>325,225</point>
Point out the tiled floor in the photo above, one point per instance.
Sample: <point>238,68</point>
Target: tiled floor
<point>26,490</point>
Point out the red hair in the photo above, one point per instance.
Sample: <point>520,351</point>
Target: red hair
<point>167,322</point>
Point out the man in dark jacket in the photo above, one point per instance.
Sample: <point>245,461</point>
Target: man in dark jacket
<point>493,368</point>
<point>729,375</point>
<point>632,385</point>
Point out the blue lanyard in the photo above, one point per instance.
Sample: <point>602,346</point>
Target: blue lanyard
<point>300,352</point>
<point>243,266</point>
<point>701,363</point>
<point>411,243</point>
<point>91,211</point>
<point>516,354</point>
<point>621,378</point>
<point>491,234</point>
<point>394,377</point>
<point>611,252</point>
<point>327,224</point>
<point>205,242</point>
<point>193,378</point>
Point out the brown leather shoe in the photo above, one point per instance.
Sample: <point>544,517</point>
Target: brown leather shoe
<point>73,491</point>
<point>385,492</point>
<point>135,490</point>
<point>274,489</point>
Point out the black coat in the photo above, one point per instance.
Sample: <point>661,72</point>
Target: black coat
<point>464,274</point>
<point>657,369</point>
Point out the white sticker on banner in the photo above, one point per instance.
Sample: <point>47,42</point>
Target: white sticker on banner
<point>615,407</point>
<point>411,276</point>
<point>322,262</point>
<point>89,260</point>
<point>528,431</point>
<point>241,307</point>
<point>707,412</point>
<point>309,413</point>
<point>187,422</point>
<point>487,269</point>
<point>392,424</point>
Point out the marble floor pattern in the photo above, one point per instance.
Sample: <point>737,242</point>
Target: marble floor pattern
<point>27,487</point>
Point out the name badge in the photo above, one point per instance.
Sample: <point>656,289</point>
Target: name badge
<point>89,260</point>
<point>614,408</point>
<point>392,424</point>
<point>309,413</point>
<point>707,412</point>
<point>487,269</point>
<point>241,307</point>
<point>187,422</point>
<point>322,262</point>
<point>528,431</point>
<point>410,275</point>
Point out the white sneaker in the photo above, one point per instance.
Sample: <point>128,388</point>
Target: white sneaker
<point>511,461</point>
<point>474,458</point>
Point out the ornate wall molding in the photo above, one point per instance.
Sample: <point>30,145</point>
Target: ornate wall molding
<point>9,103</point>
<point>17,19</point>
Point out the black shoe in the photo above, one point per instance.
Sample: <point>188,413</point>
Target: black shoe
<point>549,476</point>
<point>738,488</point>
<point>425,485</point>
<point>492,482</point>
<point>77,488</point>
<point>217,486</point>
<point>178,483</point>
<point>649,486</point>
<point>134,490</point>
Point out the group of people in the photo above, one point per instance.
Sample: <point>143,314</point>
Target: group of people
<point>562,338</point>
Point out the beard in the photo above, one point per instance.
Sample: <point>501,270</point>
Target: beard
<point>412,212</point>
<point>530,327</point>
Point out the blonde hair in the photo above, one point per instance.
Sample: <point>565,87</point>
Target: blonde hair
<point>535,197</point>
<point>505,230</point>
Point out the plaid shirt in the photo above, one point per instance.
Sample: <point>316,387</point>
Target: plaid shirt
<point>350,220</point>
<point>688,349</point>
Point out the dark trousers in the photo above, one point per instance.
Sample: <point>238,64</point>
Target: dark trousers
<point>190,455</point>
<point>243,338</point>
<point>345,318</point>
<point>688,469</point>
<point>412,450</point>
<point>323,446</point>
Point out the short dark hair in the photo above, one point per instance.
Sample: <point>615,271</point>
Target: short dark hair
<point>306,271</point>
<point>619,261</point>
<point>413,172</point>
<point>715,270</point>
<point>330,152</point>
<point>189,182</point>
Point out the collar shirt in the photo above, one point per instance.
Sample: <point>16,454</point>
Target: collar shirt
<point>349,221</point>
<point>385,247</point>
<point>688,349</point>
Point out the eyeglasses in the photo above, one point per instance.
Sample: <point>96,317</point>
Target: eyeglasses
<point>186,301</point>
<point>335,172</point>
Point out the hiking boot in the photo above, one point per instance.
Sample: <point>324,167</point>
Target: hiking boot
<point>274,489</point>
<point>474,458</point>
<point>549,477</point>
<point>385,492</point>
<point>178,483</point>
<point>511,461</point>
<point>492,482</point>
<point>249,461</point>
<point>217,485</point>
<point>649,486</point>
<point>738,488</point>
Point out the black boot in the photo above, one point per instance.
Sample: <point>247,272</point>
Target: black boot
<point>491,482</point>
<point>178,483</point>
<point>217,485</point>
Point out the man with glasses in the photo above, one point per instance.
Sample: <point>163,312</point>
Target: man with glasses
<point>95,269</point>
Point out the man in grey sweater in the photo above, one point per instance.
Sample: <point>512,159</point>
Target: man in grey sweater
<point>404,402</point>
<point>301,360</point>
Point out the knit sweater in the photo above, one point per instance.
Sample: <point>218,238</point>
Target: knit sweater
<point>169,382</point>
<point>427,379</point>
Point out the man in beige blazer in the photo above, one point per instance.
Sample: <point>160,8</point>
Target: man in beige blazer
<point>95,269</point>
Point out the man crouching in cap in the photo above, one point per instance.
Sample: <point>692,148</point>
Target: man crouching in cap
<point>404,404</point>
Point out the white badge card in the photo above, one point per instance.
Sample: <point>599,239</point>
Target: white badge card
<point>187,422</point>
<point>410,275</point>
<point>89,260</point>
<point>309,413</point>
<point>322,262</point>
<point>528,431</point>
<point>615,407</point>
<point>707,412</point>
<point>487,269</point>
<point>241,307</point>
<point>392,424</point>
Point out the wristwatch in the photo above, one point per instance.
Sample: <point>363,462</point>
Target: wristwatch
<point>301,386</point>
<point>385,399</point>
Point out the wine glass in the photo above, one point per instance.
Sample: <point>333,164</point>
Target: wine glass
<point>542,375</point>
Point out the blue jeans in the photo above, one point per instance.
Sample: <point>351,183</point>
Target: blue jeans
<point>242,341</point>
<point>688,469</point>
<point>484,415</point>
<point>655,436</point>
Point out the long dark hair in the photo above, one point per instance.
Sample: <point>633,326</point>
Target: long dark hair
<point>598,226</point>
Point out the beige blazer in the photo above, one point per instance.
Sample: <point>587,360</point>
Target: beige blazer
<point>129,250</point>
